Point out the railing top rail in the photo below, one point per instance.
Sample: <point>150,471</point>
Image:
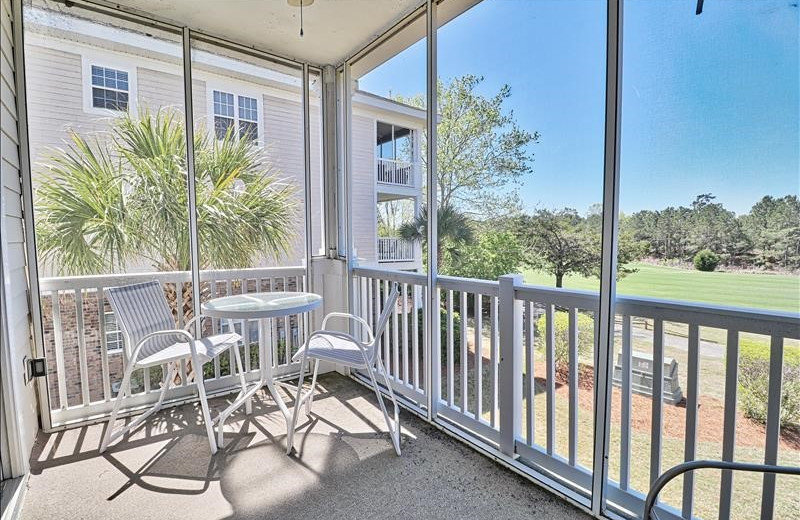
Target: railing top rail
<point>395,161</point>
<point>110,280</point>
<point>391,275</point>
<point>742,319</point>
<point>588,300</point>
<point>455,283</point>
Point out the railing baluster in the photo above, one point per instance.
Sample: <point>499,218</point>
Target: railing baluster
<point>690,436</point>
<point>729,420</point>
<point>450,382</point>
<point>395,373</point>
<point>573,385</point>
<point>550,361</point>
<point>530,379</point>
<point>463,357</point>
<point>478,406</point>
<point>287,331</point>
<point>494,360</point>
<point>274,339</point>
<point>82,359</point>
<point>376,303</point>
<point>405,332</point>
<point>773,425</point>
<point>245,341</point>
<point>101,308</point>
<point>58,337</point>
<point>415,335</point>
<point>625,404</point>
<point>386,337</point>
<point>656,420</point>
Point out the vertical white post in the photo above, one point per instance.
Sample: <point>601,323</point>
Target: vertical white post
<point>432,381</point>
<point>606,319</point>
<point>307,183</point>
<point>34,297</point>
<point>510,380</point>
<point>189,126</point>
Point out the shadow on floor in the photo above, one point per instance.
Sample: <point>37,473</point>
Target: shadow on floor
<point>345,467</point>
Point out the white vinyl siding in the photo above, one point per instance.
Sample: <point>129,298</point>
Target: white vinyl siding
<point>365,225</point>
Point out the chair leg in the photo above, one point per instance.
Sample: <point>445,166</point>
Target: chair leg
<point>201,390</point>
<point>394,433</point>
<point>310,396</point>
<point>297,400</point>
<point>123,390</point>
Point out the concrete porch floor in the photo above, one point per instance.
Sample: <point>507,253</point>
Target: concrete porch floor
<point>345,468</point>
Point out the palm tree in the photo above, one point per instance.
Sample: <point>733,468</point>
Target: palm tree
<point>105,203</point>
<point>454,231</point>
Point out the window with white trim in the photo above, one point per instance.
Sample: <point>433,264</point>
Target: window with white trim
<point>235,112</point>
<point>110,88</point>
<point>113,333</point>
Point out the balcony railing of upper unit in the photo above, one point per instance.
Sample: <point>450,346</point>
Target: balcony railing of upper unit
<point>393,171</point>
<point>393,249</point>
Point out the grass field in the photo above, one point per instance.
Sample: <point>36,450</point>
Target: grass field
<point>764,291</point>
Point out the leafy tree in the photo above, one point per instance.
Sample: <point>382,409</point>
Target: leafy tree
<point>773,226</point>
<point>558,243</point>
<point>454,232</point>
<point>561,242</point>
<point>106,203</point>
<point>480,147</point>
<point>493,254</point>
<point>715,228</point>
<point>391,215</point>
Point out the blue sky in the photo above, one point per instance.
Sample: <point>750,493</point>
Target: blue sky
<point>710,102</point>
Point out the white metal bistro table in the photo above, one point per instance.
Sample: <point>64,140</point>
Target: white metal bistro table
<point>261,307</point>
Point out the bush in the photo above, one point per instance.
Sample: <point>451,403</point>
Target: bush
<point>443,334</point>
<point>706,260</point>
<point>561,347</point>
<point>754,382</point>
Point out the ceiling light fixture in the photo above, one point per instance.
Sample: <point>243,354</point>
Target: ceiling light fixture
<point>300,4</point>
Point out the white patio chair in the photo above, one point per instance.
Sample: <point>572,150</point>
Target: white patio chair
<point>344,349</point>
<point>151,339</point>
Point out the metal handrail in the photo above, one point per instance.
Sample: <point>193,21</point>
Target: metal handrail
<point>682,468</point>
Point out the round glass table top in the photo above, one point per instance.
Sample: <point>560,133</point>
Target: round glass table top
<point>261,305</point>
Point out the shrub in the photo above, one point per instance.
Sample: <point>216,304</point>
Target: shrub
<point>706,260</point>
<point>443,334</point>
<point>561,347</point>
<point>754,382</point>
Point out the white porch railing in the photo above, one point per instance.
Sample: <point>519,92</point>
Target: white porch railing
<point>393,171</point>
<point>498,351</point>
<point>84,372</point>
<point>394,249</point>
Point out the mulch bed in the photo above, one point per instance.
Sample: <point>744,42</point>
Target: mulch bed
<point>710,414</point>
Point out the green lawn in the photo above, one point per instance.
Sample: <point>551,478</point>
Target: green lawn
<point>766,291</point>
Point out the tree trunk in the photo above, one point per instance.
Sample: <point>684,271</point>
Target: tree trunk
<point>559,279</point>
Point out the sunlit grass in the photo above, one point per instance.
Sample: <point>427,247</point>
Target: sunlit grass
<point>758,290</point>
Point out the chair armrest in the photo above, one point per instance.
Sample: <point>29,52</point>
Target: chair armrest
<point>191,322</point>
<point>173,332</point>
<point>345,315</point>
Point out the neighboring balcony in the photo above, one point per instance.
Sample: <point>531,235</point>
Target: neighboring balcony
<point>395,172</point>
<point>394,249</point>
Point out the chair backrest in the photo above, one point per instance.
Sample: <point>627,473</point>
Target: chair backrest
<point>141,309</point>
<point>383,320</point>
